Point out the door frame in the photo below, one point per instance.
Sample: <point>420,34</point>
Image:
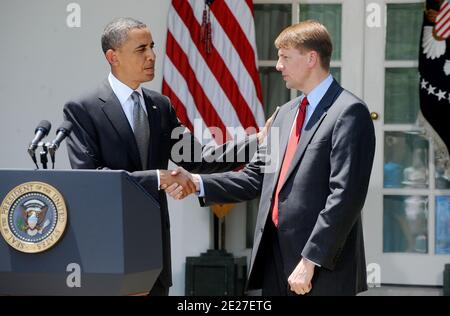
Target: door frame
<point>395,268</point>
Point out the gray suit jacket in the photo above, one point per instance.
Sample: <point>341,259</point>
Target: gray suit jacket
<point>322,197</point>
<point>102,138</point>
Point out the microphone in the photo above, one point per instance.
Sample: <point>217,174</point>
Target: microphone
<point>62,132</point>
<point>40,132</point>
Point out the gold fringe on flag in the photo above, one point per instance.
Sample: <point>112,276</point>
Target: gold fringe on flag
<point>221,210</point>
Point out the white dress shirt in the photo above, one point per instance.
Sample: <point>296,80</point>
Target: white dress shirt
<point>123,93</point>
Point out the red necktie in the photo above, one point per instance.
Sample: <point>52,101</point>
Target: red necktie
<point>290,151</point>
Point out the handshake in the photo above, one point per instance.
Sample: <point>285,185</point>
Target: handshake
<point>179,183</point>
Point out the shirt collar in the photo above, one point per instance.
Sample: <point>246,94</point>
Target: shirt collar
<point>316,94</point>
<point>121,90</point>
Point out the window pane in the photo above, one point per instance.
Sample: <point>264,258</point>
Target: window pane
<point>401,99</point>
<point>405,160</point>
<point>442,174</point>
<point>405,222</point>
<point>274,89</point>
<point>336,73</point>
<point>329,15</point>
<point>404,22</point>
<point>270,20</point>
<point>443,224</point>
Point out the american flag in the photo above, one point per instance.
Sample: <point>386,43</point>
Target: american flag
<point>442,26</point>
<point>434,88</point>
<point>210,72</point>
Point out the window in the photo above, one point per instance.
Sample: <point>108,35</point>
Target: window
<point>406,149</point>
<point>270,20</point>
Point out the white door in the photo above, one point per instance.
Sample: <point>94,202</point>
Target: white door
<point>407,213</point>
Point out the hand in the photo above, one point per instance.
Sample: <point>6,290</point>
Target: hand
<point>180,189</point>
<point>300,278</point>
<point>263,133</point>
<point>176,191</point>
<point>178,183</point>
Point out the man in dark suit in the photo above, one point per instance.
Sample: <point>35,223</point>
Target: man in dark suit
<point>123,126</point>
<point>308,236</point>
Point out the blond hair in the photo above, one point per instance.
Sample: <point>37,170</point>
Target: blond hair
<point>307,35</point>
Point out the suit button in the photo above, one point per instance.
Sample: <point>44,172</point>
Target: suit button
<point>262,229</point>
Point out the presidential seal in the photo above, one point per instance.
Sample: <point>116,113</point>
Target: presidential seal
<point>33,217</point>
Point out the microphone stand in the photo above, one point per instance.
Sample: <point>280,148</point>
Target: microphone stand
<point>43,154</point>
<point>33,157</point>
<point>52,151</point>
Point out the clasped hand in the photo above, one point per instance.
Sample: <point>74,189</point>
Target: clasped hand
<point>179,183</point>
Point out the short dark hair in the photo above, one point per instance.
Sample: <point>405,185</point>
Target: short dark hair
<point>309,35</point>
<point>116,32</point>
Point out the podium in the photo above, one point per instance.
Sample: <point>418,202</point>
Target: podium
<point>77,232</point>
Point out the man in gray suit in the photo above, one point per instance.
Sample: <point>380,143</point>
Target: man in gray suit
<point>308,237</point>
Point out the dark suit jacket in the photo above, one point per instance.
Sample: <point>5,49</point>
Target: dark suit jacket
<point>322,197</point>
<point>103,138</point>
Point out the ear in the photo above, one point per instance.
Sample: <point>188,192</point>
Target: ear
<point>111,57</point>
<point>313,58</point>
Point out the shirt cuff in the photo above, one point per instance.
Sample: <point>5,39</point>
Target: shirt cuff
<point>159,181</point>
<point>316,264</point>
<point>201,193</point>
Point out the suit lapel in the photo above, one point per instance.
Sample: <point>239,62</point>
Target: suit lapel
<point>313,124</point>
<point>113,110</point>
<point>154,117</point>
<point>287,121</point>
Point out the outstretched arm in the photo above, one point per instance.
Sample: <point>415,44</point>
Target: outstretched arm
<point>177,191</point>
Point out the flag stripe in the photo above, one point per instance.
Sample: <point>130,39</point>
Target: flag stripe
<point>206,109</point>
<point>444,27</point>
<point>203,73</point>
<point>443,31</point>
<point>240,42</point>
<point>180,108</point>
<point>443,16</point>
<point>175,81</point>
<point>177,105</point>
<point>244,17</point>
<point>447,34</point>
<point>250,6</point>
<point>218,88</point>
<point>216,65</point>
<point>177,84</point>
<point>236,67</point>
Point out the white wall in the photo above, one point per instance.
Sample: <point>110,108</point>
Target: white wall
<point>44,63</point>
